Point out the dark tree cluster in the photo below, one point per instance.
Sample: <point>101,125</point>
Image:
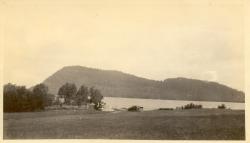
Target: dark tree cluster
<point>222,106</point>
<point>20,99</point>
<point>191,106</point>
<point>83,95</point>
<point>67,91</point>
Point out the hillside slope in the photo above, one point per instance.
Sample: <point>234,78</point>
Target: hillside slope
<point>118,84</point>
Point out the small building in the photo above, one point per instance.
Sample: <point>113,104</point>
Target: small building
<point>61,100</point>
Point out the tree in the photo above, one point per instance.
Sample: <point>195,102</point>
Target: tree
<point>96,98</point>
<point>222,106</point>
<point>68,91</point>
<point>27,102</point>
<point>16,98</point>
<point>82,95</point>
<point>20,99</point>
<point>9,97</point>
<point>40,92</point>
<point>192,106</point>
<point>49,99</point>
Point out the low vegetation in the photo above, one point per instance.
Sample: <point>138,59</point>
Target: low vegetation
<point>166,108</point>
<point>135,108</point>
<point>203,124</point>
<point>190,106</point>
<point>222,106</point>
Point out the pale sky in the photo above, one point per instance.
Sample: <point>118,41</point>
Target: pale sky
<point>148,38</point>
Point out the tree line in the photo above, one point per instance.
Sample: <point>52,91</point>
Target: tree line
<point>83,95</point>
<point>20,99</point>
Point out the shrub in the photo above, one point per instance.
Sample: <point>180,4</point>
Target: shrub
<point>166,109</point>
<point>222,106</point>
<point>135,108</point>
<point>191,106</point>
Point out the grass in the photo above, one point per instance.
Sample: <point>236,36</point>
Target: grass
<point>201,124</point>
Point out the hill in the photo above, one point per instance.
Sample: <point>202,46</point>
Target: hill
<point>119,84</point>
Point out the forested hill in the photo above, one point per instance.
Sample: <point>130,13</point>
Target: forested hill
<point>119,84</point>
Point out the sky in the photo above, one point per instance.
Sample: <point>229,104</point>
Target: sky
<point>147,38</point>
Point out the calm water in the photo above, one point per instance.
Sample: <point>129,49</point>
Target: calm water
<point>151,104</point>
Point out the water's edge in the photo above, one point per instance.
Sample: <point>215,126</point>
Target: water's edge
<point>151,104</point>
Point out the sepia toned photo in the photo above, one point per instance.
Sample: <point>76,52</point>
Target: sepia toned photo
<point>124,70</point>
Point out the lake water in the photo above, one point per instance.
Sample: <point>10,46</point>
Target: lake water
<point>152,104</point>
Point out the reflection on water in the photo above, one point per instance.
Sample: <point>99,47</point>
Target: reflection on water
<point>151,104</point>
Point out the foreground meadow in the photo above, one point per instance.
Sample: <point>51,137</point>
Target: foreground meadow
<point>201,124</point>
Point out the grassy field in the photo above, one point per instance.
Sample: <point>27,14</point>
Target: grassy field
<point>203,124</point>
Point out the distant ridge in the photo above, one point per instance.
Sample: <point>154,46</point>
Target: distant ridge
<point>118,84</point>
